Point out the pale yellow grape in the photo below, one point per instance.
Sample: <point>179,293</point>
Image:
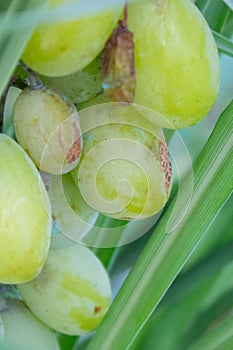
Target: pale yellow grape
<point>124,171</point>
<point>25,224</point>
<point>22,330</point>
<point>61,48</point>
<point>176,60</point>
<point>72,293</point>
<point>47,127</point>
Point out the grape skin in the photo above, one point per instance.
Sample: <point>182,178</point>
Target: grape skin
<point>47,127</point>
<point>121,174</point>
<point>81,85</point>
<point>176,59</point>
<point>25,212</point>
<point>22,330</point>
<point>59,49</point>
<point>72,216</point>
<point>72,293</point>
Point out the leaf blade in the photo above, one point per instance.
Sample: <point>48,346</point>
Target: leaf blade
<point>13,42</point>
<point>216,336</point>
<point>164,255</point>
<point>224,44</point>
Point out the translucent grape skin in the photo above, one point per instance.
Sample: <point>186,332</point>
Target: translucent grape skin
<point>71,215</point>
<point>176,60</point>
<point>125,171</point>
<point>25,225</point>
<point>72,293</point>
<point>22,330</point>
<point>47,127</point>
<point>61,48</point>
<point>81,85</point>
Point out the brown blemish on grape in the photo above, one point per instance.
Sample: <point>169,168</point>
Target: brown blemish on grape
<point>84,319</point>
<point>84,289</point>
<point>127,218</point>
<point>97,309</point>
<point>165,164</point>
<point>74,151</point>
<point>73,207</point>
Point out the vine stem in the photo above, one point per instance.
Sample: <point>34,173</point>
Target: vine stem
<point>125,18</point>
<point>34,80</point>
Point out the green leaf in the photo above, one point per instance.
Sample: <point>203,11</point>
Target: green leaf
<point>199,296</point>
<point>227,345</point>
<point>218,234</point>
<point>215,12</point>
<point>168,249</point>
<point>216,337</point>
<point>229,3</point>
<point>224,45</point>
<point>211,316</point>
<point>14,39</point>
<point>66,341</point>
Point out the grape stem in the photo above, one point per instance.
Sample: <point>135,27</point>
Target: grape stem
<point>125,18</point>
<point>33,78</point>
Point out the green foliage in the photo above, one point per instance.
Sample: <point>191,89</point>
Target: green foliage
<point>13,39</point>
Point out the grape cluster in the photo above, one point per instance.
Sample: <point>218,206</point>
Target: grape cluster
<point>88,141</point>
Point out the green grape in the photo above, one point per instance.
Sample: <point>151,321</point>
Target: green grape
<point>81,85</point>
<point>22,330</point>
<point>47,127</point>
<point>72,216</point>
<point>61,48</point>
<point>11,97</point>
<point>99,98</point>
<point>176,60</point>
<point>125,170</point>
<point>72,293</point>
<point>25,225</point>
